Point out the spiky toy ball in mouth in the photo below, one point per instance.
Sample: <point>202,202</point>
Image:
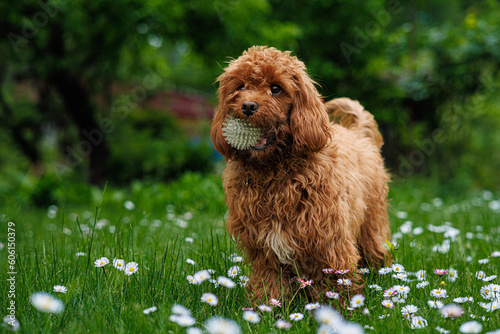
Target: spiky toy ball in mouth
<point>242,135</point>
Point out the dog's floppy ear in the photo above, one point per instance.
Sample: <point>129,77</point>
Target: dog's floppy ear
<point>309,120</point>
<point>219,142</point>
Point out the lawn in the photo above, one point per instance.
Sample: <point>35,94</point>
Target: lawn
<point>176,230</point>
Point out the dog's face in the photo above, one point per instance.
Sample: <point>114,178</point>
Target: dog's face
<point>270,90</point>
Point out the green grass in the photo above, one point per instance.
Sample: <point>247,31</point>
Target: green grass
<point>153,235</point>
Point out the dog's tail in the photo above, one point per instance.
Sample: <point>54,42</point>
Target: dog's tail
<point>351,114</point>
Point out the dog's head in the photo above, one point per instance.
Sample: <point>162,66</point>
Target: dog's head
<point>270,90</point>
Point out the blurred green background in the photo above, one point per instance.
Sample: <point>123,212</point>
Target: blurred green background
<point>118,91</point>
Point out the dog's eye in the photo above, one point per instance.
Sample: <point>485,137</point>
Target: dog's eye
<point>242,87</point>
<point>276,89</point>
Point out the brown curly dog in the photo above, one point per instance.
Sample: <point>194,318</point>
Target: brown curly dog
<point>312,193</point>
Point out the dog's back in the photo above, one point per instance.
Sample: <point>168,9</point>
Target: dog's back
<point>351,115</point>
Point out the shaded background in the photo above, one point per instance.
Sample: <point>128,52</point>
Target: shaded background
<point>115,91</point>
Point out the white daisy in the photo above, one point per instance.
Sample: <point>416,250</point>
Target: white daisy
<point>119,264</point>
<point>243,280</point>
<point>209,298</point>
<point>101,262</point>
<point>47,303</point>
<point>180,310</point>
<point>296,316</point>
<point>408,310</point>
<point>489,278</point>
<point>282,324</point>
<point>131,268</point>
<point>421,275</point>
<point>483,261</point>
<point>60,288</point>
<point>435,304</point>
<point>471,327</point>
<point>376,287</point>
<point>191,262</point>
<point>188,239</point>
<point>226,282</point>
<point>11,323</point>
<point>452,275</point>
<point>328,316</point>
<point>219,325</point>
<point>480,275</point>
<point>150,310</point>
<point>344,281</point>
<point>442,330</point>
<point>192,280</point>
<point>439,293</point>
<point>183,320</point>
<point>201,276</point>
<point>418,322</point>
<point>422,285</point>
<point>233,271</point>
<point>129,205</point>
<point>357,301</point>
<point>312,306</point>
<point>363,270</point>
<point>194,330</point>
<point>387,303</point>
<point>385,270</point>
<point>398,268</point>
<point>325,329</point>
<point>265,308</point>
<point>332,294</point>
<point>80,254</point>
<point>251,316</point>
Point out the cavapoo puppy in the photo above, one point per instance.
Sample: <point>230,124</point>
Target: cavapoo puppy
<point>304,193</point>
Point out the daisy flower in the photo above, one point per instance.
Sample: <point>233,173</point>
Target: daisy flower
<point>233,271</point>
<point>296,316</point>
<point>209,298</point>
<point>11,323</point>
<point>385,270</point>
<point>342,271</point>
<point>304,283</point>
<point>439,293</point>
<point>357,301</point>
<point>363,270</point>
<point>265,308</point>
<point>418,322</point>
<point>408,310</point>
<point>219,325</point>
<point>489,278</point>
<point>366,311</point>
<point>328,316</point>
<point>452,275</point>
<point>119,264</point>
<point>390,292</point>
<point>483,261</point>
<point>194,330</point>
<point>282,324</point>
<point>420,275</point>
<point>192,280</point>
<point>402,289</point>
<point>442,330</point>
<point>312,306</point>
<point>332,294</point>
<point>495,254</point>
<point>275,302</point>
<point>471,327</point>
<point>344,281</point>
<point>235,258</point>
<point>60,288</point>
<point>180,310</point>
<point>440,272</point>
<point>400,276</point>
<point>47,303</point>
<point>376,287</point>
<point>129,205</point>
<point>480,275</point>
<point>80,254</point>
<point>461,300</point>
<point>328,271</point>
<point>451,311</point>
<point>398,268</point>
<point>435,304</point>
<point>388,303</point>
<point>325,329</point>
<point>226,282</point>
<point>101,262</point>
<point>150,310</point>
<point>191,262</point>
<point>422,285</point>
<point>201,276</point>
<point>251,316</point>
<point>131,268</point>
<point>243,280</point>
<point>182,320</point>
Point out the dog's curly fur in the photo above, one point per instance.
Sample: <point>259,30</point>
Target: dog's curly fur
<point>315,195</point>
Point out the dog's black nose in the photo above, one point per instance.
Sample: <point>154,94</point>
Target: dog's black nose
<point>249,107</point>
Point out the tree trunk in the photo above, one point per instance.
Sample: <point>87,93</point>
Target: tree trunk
<point>78,104</point>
